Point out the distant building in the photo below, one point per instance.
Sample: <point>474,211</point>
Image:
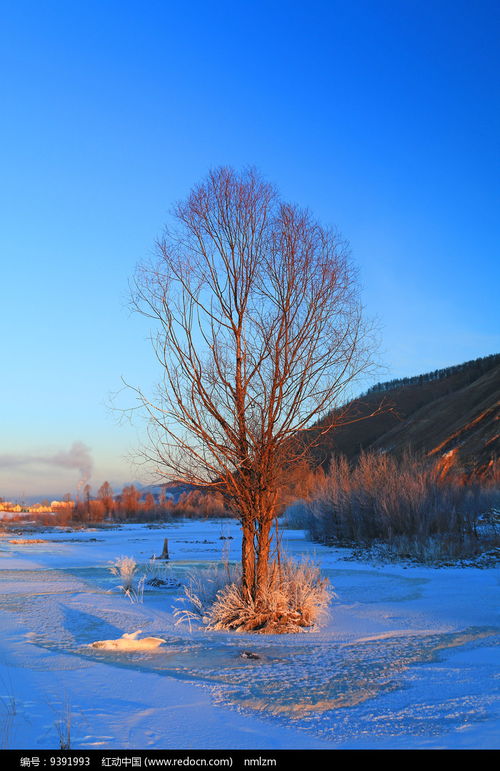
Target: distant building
<point>62,506</point>
<point>11,507</point>
<point>39,508</point>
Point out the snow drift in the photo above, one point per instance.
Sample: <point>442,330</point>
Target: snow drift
<point>129,642</point>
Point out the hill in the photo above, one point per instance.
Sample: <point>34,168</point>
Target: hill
<point>450,414</point>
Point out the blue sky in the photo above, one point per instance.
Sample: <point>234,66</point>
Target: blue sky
<point>381,117</point>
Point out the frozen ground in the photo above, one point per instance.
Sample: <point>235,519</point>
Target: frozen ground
<point>408,659</point>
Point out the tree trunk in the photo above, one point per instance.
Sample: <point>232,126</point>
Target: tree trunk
<point>247,560</point>
<point>262,567</point>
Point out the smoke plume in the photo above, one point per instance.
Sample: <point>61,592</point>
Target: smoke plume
<point>77,457</point>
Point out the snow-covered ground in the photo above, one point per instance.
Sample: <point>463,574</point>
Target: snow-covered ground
<point>408,658</point>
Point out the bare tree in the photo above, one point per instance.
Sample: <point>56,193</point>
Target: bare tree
<point>129,502</point>
<point>259,331</point>
<point>105,494</point>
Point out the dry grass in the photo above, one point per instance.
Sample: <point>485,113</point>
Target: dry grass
<point>404,505</point>
<point>296,597</point>
<point>432,550</point>
<point>201,591</point>
<point>63,727</point>
<point>158,574</point>
<point>126,569</point>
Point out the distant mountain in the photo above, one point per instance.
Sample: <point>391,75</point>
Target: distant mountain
<point>451,415</point>
<point>169,489</point>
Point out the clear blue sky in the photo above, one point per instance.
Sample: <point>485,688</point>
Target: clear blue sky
<point>381,117</point>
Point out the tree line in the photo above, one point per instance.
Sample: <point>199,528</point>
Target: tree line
<point>133,505</point>
<point>476,367</point>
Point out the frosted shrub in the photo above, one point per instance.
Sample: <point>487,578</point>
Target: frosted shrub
<point>157,574</point>
<point>201,590</point>
<point>405,505</point>
<point>295,598</point>
<point>126,569</point>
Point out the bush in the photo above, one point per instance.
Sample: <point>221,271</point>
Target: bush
<point>158,574</point>
<point>126,568</point>
<point>404,504</point>
<point>201,591</point>
<point>295,598</point>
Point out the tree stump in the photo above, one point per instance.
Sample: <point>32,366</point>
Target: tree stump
<point>165,555</point>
